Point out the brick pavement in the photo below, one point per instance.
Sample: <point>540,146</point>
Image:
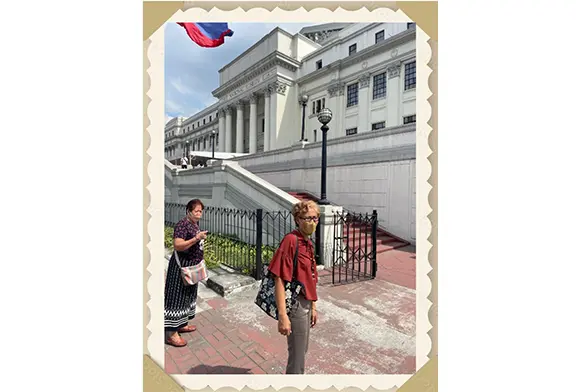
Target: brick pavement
<point>364,328</point>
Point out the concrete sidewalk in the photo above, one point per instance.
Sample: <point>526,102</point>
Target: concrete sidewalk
<point>364,328</point>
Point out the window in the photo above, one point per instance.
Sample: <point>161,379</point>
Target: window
<point>410,119</point>
<point>351,49</point>
<point>217,138</point>
<point>210,118</point>
<point>216,114</point>
<point>379,125</point>
<point>352,95</point>
<point>318,105</point>
<point>351,131</point>
<point>411,25</point>
<point>379,86</point>
<point>410,75</point>
<point>204,143</point>
<point>315,135</point>
<point>380,36</point>
<point>204,121</point>
<point>192,126</point>
<point>318,64</point>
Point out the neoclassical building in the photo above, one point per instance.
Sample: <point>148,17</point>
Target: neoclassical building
<point>268,101</point>
<point>365,73</point>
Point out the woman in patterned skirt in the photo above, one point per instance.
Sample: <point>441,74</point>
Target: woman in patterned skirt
<point>180,299</point>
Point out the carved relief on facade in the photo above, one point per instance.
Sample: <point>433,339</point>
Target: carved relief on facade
<point>364,80</point>
<point>394,70</point>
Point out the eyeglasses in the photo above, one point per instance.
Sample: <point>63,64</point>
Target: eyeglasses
<point>309,218</point>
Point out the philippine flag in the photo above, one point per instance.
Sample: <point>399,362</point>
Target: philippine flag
<point>207,35</point>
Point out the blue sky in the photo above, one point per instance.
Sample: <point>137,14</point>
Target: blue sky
<point>191,71</point>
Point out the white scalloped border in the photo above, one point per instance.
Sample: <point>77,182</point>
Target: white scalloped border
<point>155,171</point>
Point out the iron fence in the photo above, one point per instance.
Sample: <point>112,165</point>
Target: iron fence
<point>354,247</point>
<point>242,240</point>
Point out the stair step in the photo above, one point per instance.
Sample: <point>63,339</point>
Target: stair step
<point>361,241</point>
<point>380,248</point>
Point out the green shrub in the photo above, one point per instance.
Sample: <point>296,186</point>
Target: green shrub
<point>218,246</point>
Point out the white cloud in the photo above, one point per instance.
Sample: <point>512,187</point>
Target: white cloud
<point>180,87</point>
<point>192,71</point>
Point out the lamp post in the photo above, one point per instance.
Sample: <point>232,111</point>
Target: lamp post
<point>212,136</point>
<point>324,116</point>
<point>187,154</point>
<point>303,101</point>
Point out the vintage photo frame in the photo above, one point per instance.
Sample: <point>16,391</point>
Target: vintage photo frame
<point>424,14</point>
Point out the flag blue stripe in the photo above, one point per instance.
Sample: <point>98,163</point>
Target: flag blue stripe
<point>212,30</point>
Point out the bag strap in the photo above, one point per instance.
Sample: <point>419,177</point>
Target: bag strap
<point>177,258</point>
<point>295,260</point>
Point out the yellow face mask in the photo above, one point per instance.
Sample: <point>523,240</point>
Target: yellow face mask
<point>308,227</point>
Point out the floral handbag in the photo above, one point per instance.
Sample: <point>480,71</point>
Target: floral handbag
<point>192,274</point>
<point>266,299</point>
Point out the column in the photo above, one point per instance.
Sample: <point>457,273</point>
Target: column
<point>228,111</point>
<point>221,129</point>
<point>334,105</point>
<point>267,119</point>
<point>253,124</point>
<point>393,95</point>
<point>240,127</point>
<point>364,103</point>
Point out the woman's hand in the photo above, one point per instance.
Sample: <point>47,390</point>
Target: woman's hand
<point>313,318</point>
<point>284,326</point>
<point>202,235</point>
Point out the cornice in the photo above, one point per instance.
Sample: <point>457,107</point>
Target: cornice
<point>334,84</point>
<point>338,41</point>
<point>274,59</point>
<point>362,55</point>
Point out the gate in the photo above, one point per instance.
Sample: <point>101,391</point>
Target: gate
<point>354,247</point>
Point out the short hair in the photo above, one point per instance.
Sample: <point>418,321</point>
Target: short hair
<point>303,207</point>
<point>193,203</point>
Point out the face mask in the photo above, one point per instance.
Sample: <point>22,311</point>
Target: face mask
<point>308,227</point>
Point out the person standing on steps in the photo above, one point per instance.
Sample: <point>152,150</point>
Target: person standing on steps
<point>303,316</point>
<point>184,162</point>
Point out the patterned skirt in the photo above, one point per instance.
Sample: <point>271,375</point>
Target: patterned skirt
<point>179,299</point>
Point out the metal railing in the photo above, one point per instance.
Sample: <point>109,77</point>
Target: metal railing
<point>355,246</point>
<point>244,240</point>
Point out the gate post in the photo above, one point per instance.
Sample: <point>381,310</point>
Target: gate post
<point>374,233</point>
<point>330,233</point>
<point>259,244</point>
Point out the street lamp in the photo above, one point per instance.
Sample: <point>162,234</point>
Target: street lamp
<point>212,136</point>
<point>303,101</point>
<point>187,154</point>
<point>324,116</point>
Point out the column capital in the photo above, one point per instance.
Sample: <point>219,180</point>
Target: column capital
<point>393,70</point>
<point>278,87</point>
<point>228,109</point>
<point>336,89</point>
<point>253,98</point>
<point>364,80</point>
<point>221,112</point>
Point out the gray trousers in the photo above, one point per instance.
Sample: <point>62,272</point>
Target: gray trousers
<point>300,317</point>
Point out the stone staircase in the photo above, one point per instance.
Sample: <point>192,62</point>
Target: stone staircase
<point>357,235</point>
